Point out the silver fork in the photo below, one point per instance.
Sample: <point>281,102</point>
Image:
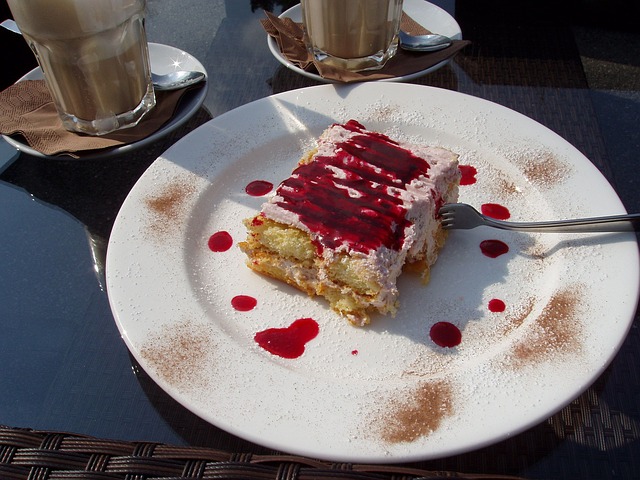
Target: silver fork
<point>460,216</point>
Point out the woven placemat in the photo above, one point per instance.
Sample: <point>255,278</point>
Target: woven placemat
<point>27,454</point>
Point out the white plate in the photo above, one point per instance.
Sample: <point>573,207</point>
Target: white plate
<point>164,59</point>
<point>426,14</point>
<point>570,298</point>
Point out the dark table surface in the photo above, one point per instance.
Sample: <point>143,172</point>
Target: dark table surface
<point>574,68</point>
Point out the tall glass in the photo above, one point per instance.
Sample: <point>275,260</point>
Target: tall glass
<point>354,35</point>
<point>95,59</point>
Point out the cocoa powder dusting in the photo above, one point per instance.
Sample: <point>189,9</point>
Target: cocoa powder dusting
<point>516,317</point>
<point>415,413</point>
<point>544,169</point>
<point>168,205</point>
<point>179,355</point>
<point>504,187</point>
<point>537,251</point>
<point>556,331</point>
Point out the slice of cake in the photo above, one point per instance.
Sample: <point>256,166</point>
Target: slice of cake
<point>354,212</point>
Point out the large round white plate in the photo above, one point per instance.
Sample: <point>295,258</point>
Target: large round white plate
<point>426,14</point>
<point>386,392</point>
<point>164,59</point>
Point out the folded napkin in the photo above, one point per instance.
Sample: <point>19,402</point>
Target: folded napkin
<point>26,108</point>
<point>289,36</point>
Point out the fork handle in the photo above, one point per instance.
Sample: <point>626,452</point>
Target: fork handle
<point>613,223</point>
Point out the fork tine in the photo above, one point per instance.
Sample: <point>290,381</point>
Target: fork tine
<point>447,216</point>
<point>445,210</point>
<point>448,210</point>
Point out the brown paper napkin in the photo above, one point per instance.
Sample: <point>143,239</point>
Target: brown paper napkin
<point>289,36</point>
<point>26,108</point>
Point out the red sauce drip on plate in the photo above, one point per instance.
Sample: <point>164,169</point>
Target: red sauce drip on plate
<point>372,163</point>
<point>220,241</point>
<point>445,334</point>
<point>468,174</point>
<point>493,248</point>
<point>258,188</point>
<point>288,342</point>
<point>496,305</point>
<point>354,352</point>
<point>243,303</point>
<point>495,210</point>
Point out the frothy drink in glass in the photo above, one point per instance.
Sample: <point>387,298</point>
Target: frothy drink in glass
<point>95,59</point>
<point>352,34</point>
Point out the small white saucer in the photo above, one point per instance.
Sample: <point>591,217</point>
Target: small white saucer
<point>164,59</point>
<point>426,14</point>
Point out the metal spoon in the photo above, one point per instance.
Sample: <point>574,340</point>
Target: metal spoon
<point>11,25</point>
<point>423,43</point>
<point>170,81</point>
<point>176,80</point>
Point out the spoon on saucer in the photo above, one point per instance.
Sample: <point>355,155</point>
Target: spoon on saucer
<point>11,26</point>
<point>176,80</point>
<point>423,43</point>
<point>169,81</point>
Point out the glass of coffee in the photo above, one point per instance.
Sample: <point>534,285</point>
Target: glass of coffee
<point>354,35</point>
<point>95,59</point>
